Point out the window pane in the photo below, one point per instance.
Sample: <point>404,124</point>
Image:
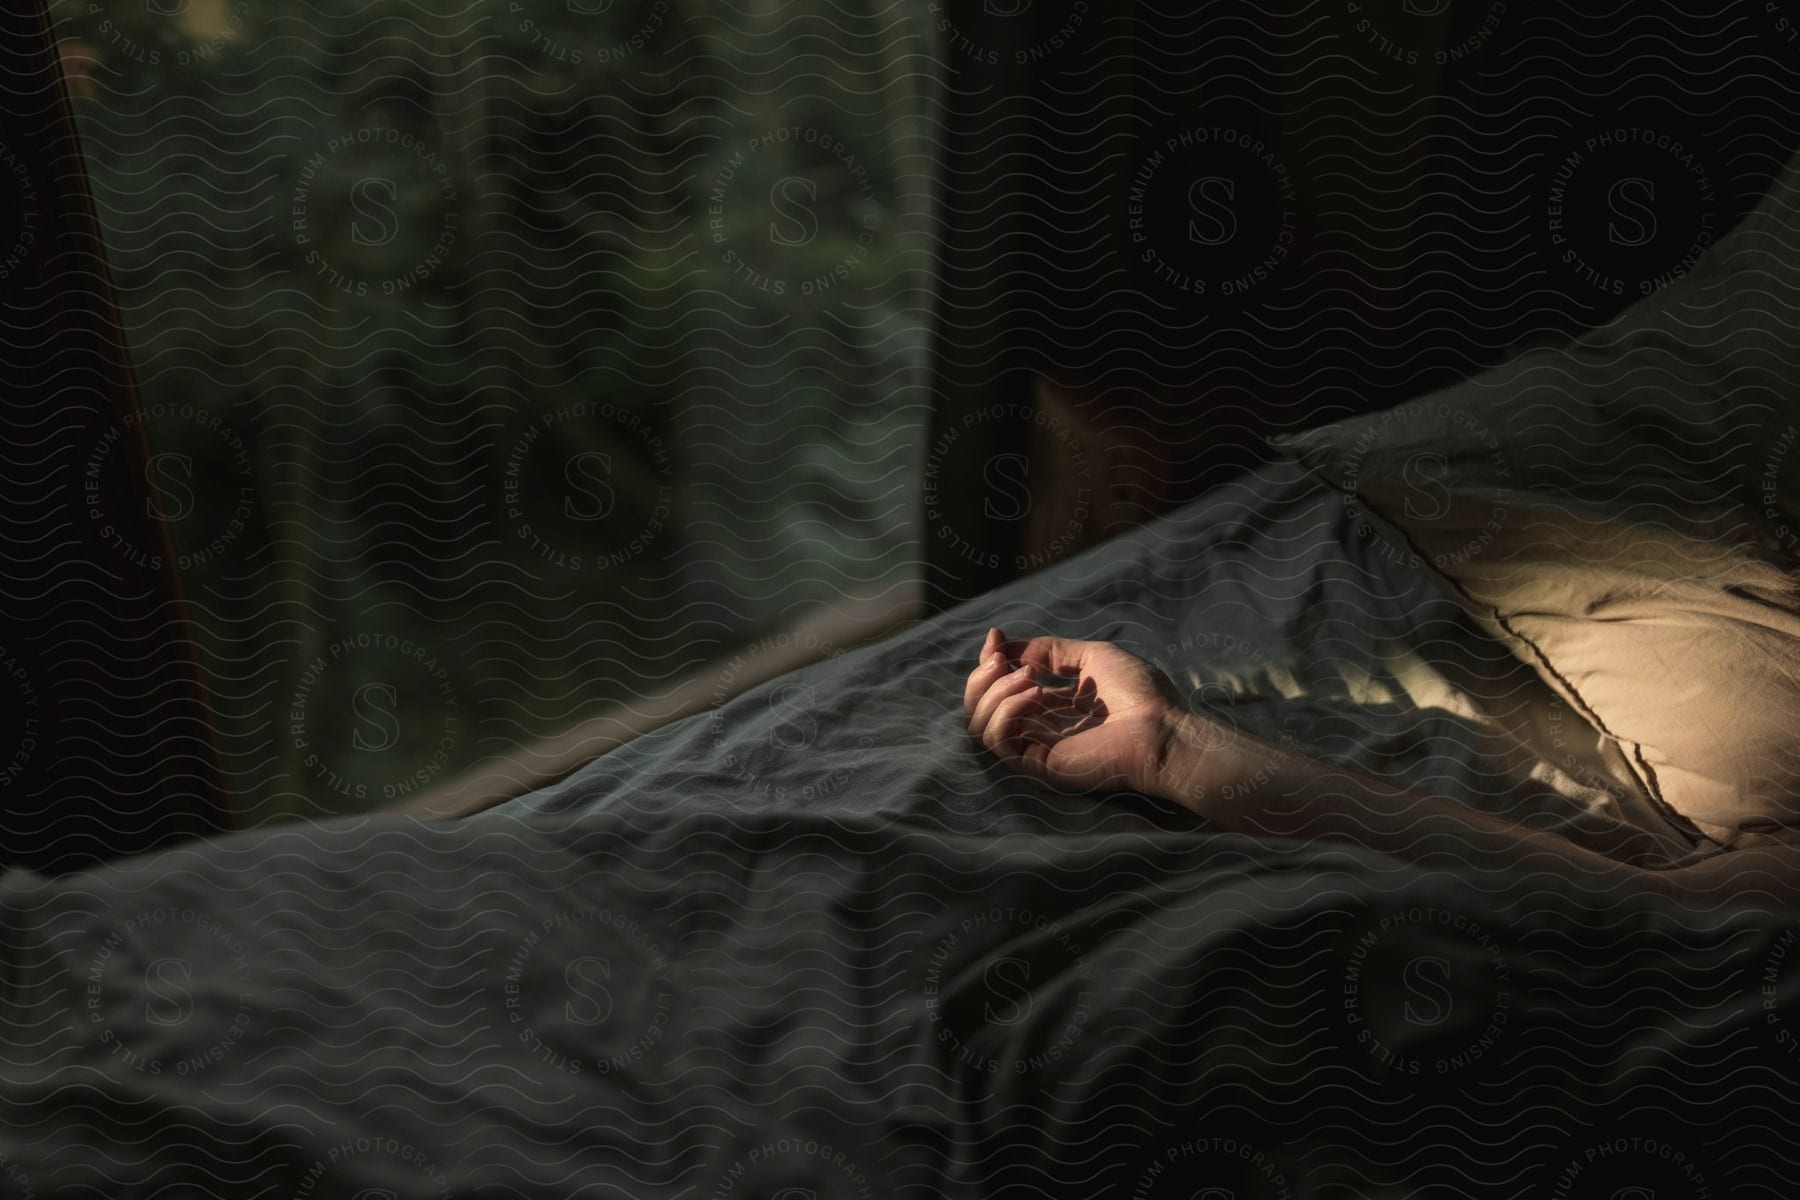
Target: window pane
<point>501,362</point>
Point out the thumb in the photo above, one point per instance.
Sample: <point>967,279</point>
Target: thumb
<point>1085,764</point>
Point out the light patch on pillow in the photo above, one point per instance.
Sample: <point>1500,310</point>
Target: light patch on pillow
<point>1621,512</point>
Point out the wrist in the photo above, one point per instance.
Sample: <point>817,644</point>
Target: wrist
<point>1210,768</point>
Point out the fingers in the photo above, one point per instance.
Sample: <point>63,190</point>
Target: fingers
<point>1027,723</point>
<point>1058,656</point>
<point>1000,659</point>
<point>990,667</point>
<point>1009,685</point>
<point>1017,722</point>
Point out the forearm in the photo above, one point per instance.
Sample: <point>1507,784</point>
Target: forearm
<point>1246,786</point>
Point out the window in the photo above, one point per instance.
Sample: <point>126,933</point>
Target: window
<point>503,362</point>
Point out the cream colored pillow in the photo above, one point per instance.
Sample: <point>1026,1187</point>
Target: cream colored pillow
<point>1625,512</point>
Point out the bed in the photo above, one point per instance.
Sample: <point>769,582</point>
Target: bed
<point>815,944</point>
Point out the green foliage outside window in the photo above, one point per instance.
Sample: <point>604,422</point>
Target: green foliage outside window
<point>500,362</point>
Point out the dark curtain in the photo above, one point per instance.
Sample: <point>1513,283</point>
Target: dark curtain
<point>105,748</point>
<point>1268,216</point>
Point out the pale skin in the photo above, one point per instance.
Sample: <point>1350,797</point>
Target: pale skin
<point>1116,722</point>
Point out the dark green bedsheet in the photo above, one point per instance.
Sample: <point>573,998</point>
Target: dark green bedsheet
<point>714,1005</point>
<point>817,945</point>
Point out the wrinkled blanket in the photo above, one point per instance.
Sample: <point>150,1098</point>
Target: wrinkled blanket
<point>815,944</point>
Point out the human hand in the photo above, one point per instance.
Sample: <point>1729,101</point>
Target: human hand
<point>1112,721</point>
